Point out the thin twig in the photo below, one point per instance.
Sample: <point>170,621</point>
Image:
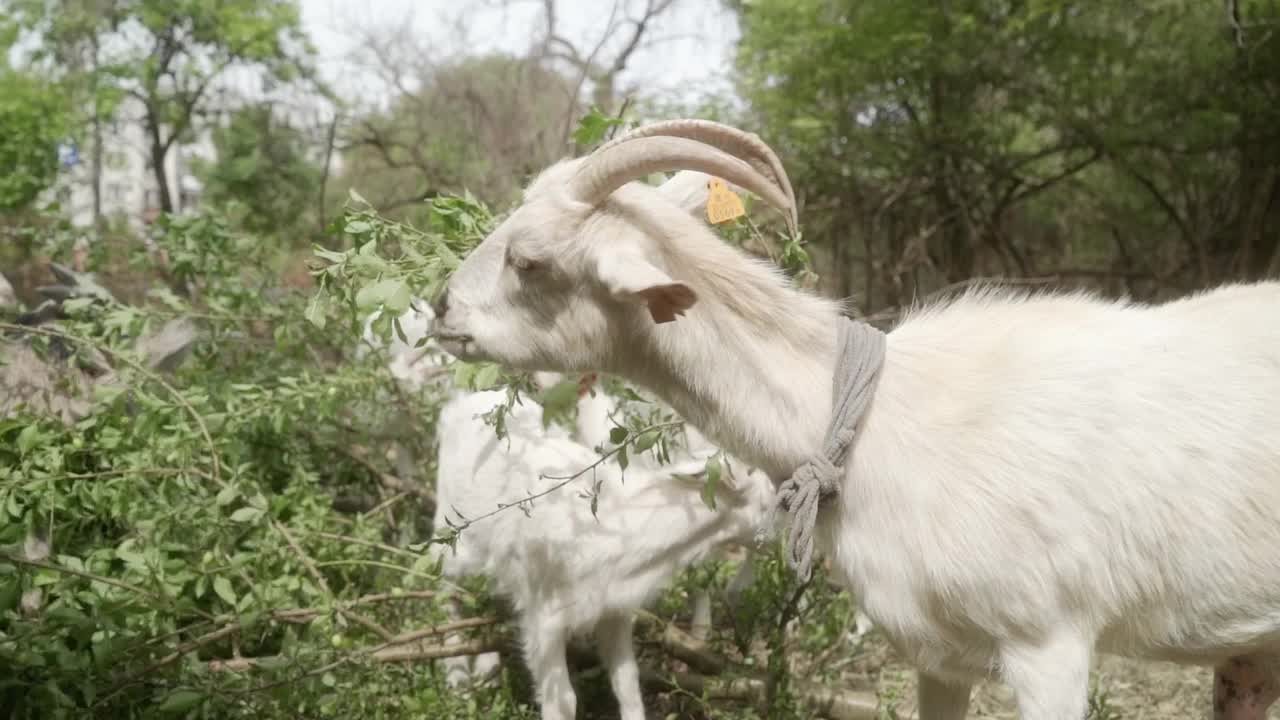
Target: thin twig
<point>387,655</point>
<point>375,563</point>
<point>293,615</point>
<point>836,704</point>
<point>121,472</point>
<point>360,541</point>
<point>372,651</point>
<point>564,479</point>
<point>389,480</point>
<point>351,615</point>
<point>97,578</point>
<point>789,611</point>
<point>386,504</point>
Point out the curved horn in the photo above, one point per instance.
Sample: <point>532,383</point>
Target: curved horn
<point>618,163</point>
<point>740,144</point>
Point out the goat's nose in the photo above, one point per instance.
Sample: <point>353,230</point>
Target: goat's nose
<point>441,305</point>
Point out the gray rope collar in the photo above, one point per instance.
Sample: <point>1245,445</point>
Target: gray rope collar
<point>859,355</point>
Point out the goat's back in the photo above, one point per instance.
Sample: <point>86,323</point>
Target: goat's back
<point>1051,456</point>
<point>648,523</point>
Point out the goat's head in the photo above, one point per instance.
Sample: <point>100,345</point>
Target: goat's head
<point>589,254</point>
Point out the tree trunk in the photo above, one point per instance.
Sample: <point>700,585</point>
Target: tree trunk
<point>158,153</point>
<point>96,169</point>
<point>96,159</point>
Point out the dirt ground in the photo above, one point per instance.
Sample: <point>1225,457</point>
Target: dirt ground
<point>1134,690</point>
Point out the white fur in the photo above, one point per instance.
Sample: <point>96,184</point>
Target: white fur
<point>1038,477</point>
<point>412,365</point>
<point>565,571</point>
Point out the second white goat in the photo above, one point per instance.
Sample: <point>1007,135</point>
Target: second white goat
<point>566,571</point>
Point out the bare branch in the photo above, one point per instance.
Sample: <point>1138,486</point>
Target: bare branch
<point>836,703</point>
<point>324,584</point>
<point>1233,22</point>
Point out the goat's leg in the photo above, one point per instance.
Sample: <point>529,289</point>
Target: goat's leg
<point>545,642</point>
<point>1244,687</point>
<point>861,624</point>
<point>1050,679</point>
<point>743,579</point>
<point>939,700</point>
<point>457,669</point>
<point>613,640</point>
<point>700,625</point>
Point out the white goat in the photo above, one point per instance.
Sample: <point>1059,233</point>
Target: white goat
<point>566,571</point>
<point>1038,476</point>
<point>469,450</point>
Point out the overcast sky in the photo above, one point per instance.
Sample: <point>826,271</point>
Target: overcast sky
<point>693,52</point>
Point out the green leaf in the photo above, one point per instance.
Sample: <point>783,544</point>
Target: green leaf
<point>315,310</point>
<point>806,123</point>
<point>27,438</point>
<point>618,435</point>
<point>358,227</point>
<point>180,701</point>
<point>487,377</point>
<point>391,292</point>
<point>130,556</point>
<point>74,306</point>
<point>227,495</point>
<point>558,401</point>
<point>222,587</point>
<point>246,515</point>
<point>646,440</point>
<point>398,301</point>
<point>593,126</point>
<point>330,255</point>
<point>712,482</point>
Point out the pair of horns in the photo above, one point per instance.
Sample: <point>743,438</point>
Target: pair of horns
<point>739,157</point>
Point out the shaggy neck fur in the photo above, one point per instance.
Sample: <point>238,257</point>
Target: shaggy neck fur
<point>750,332</point>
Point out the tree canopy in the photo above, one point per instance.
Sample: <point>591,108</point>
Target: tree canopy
<point>33,121</point>
<point>1130,142</point>
<point>262,164</point>
<point>167,56</point>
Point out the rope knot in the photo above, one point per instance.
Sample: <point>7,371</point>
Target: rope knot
<point>859,354</point>
<point>800,496</point>
<point>815,480</point>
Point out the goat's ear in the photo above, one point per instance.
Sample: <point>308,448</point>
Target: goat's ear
<point>630,278</point>
<point>689,190</point>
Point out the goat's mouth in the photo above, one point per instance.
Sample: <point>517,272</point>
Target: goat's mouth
<point>459,345</point>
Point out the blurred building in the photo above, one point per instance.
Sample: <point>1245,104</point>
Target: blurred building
<point>130,191</point>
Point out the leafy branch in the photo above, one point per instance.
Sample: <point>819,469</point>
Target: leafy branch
<point>637,441</point>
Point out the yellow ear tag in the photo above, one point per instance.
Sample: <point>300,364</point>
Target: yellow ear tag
<point>723,204</point>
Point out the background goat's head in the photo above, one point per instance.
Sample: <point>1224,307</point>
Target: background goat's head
<point>589,253</point>
<point>59,382</point>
